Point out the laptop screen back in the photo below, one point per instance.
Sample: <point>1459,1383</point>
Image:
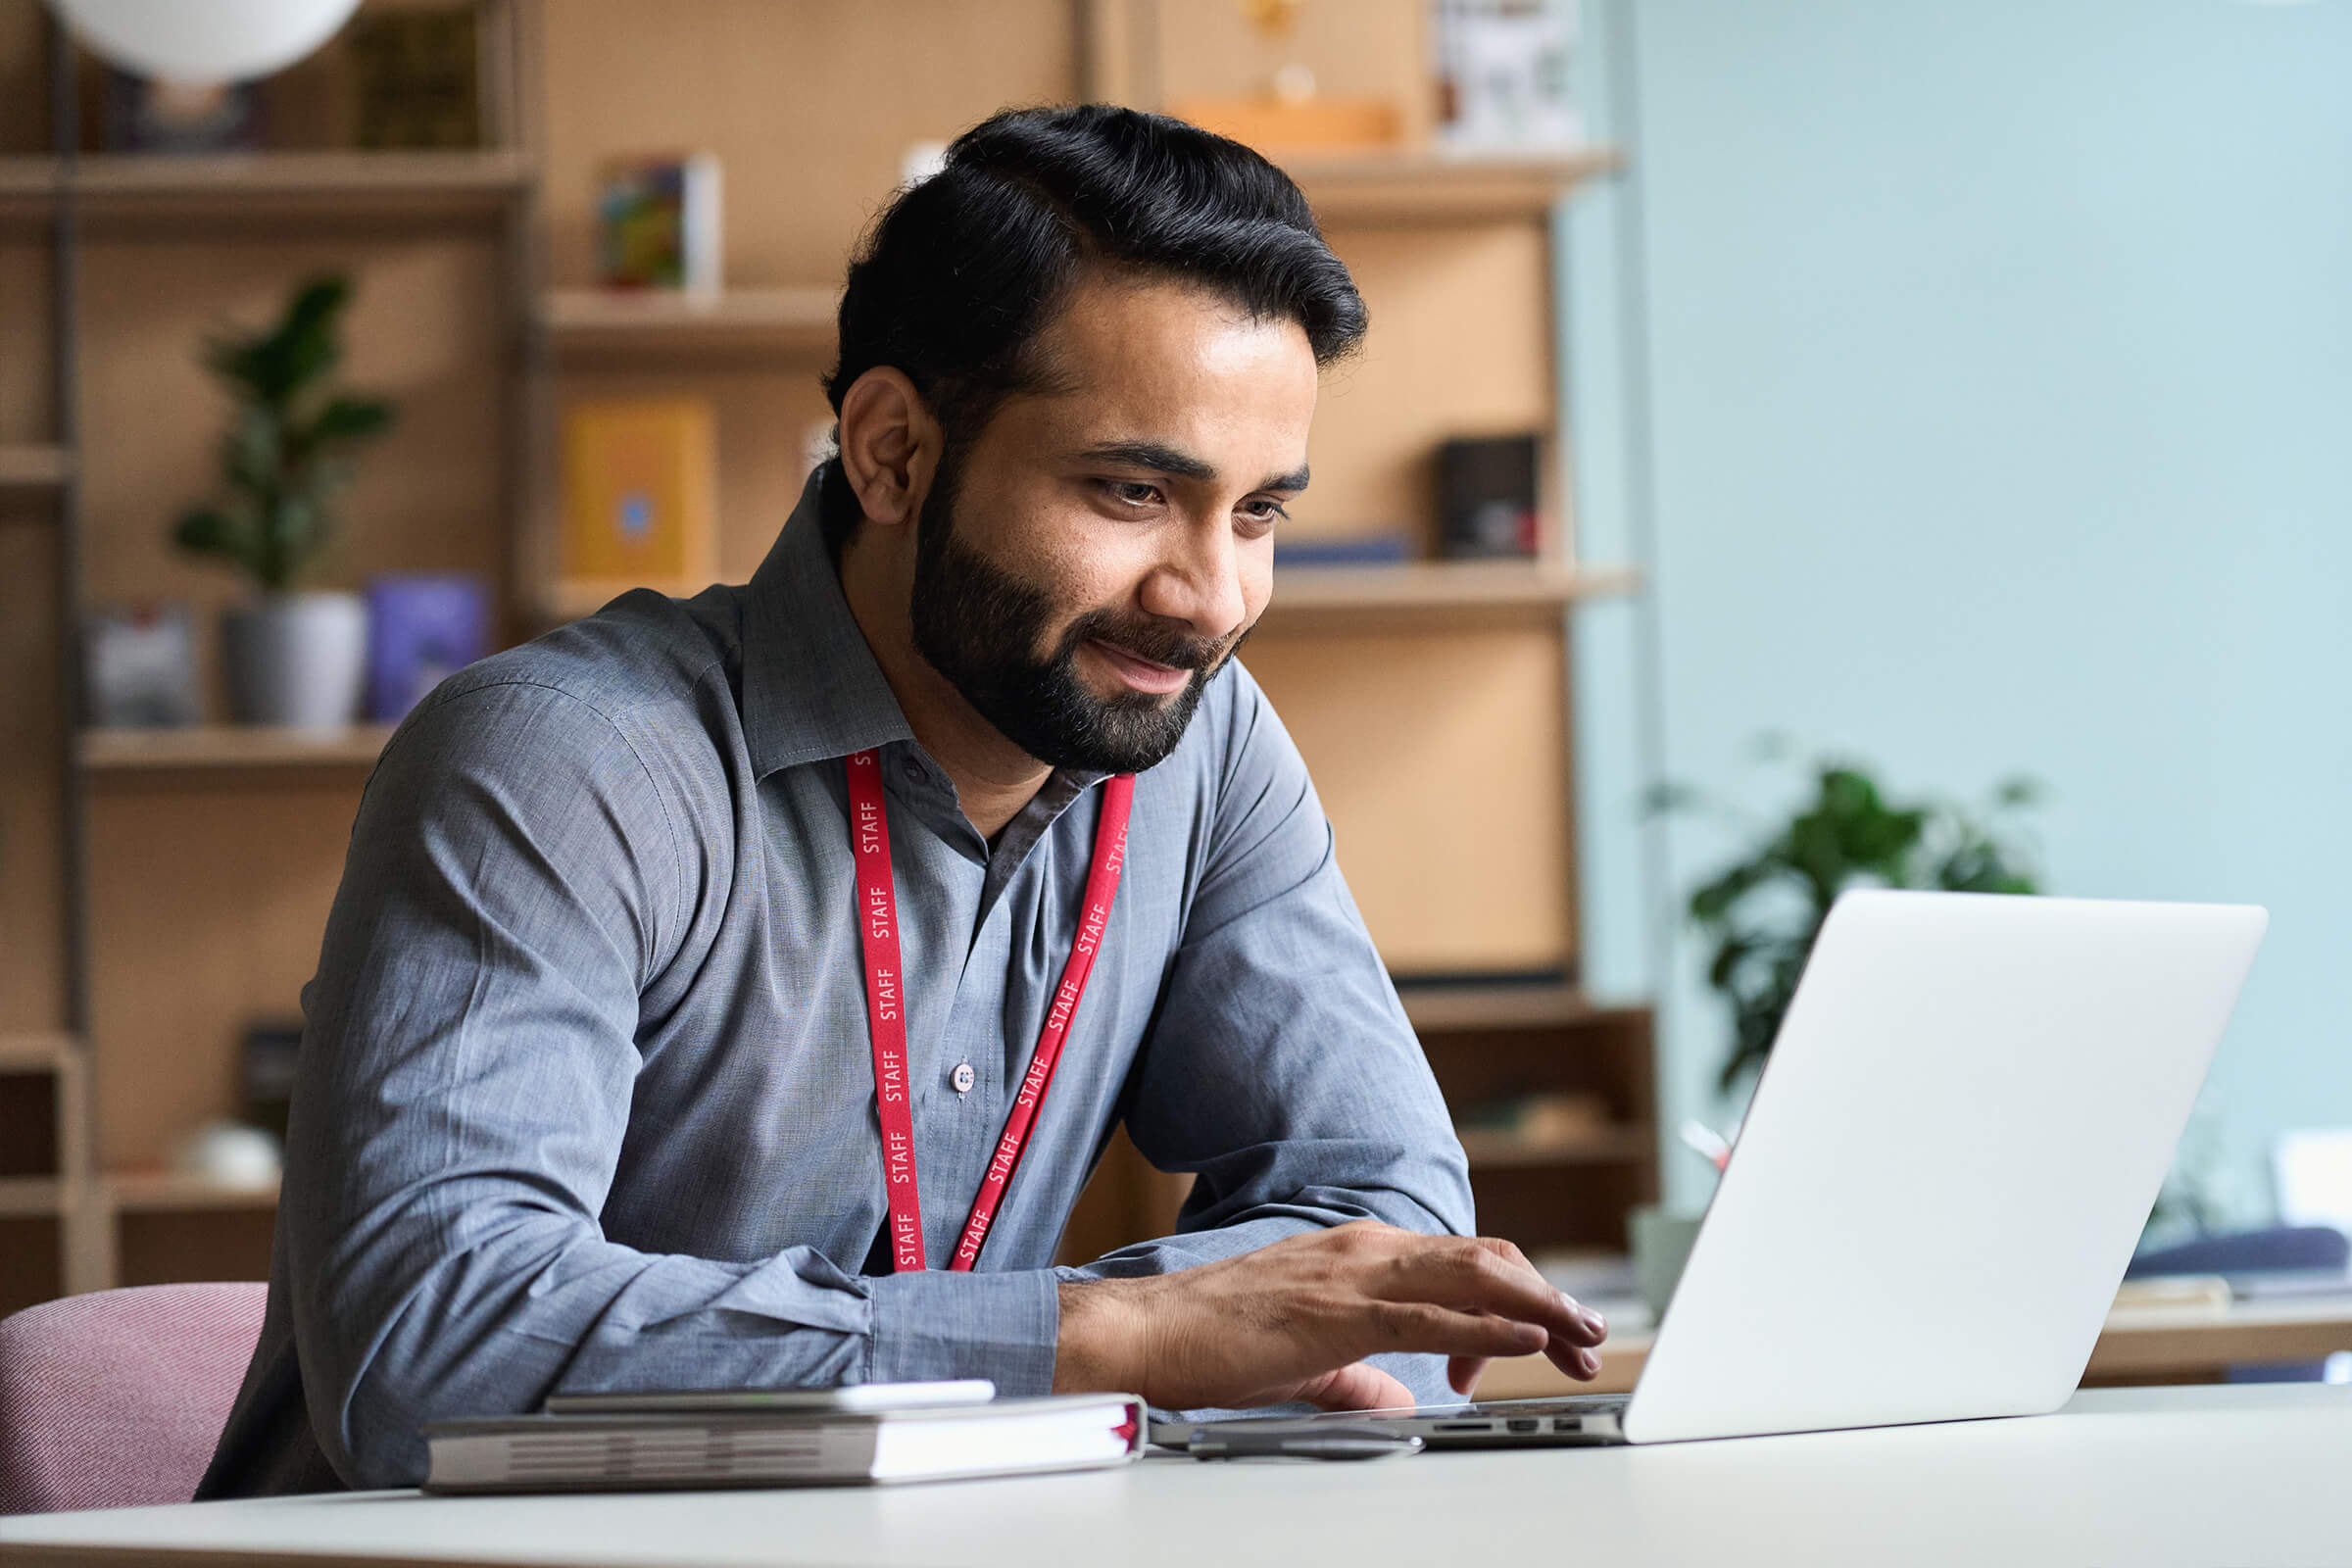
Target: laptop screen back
<point>1964,1122</point>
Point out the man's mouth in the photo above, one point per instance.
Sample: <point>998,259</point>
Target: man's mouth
<point>1139,672</point>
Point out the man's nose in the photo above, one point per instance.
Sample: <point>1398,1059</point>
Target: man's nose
<point>1199,582</point>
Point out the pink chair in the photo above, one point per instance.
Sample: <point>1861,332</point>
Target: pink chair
<point>116,1399</point>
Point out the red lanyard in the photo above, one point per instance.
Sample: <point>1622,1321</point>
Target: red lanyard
<point>884,1006</point>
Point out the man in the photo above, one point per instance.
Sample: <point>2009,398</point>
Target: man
<point>704,971</point>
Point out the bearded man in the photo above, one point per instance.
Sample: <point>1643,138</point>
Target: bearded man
<point>738,991</point>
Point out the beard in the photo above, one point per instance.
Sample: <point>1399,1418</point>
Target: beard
<point>980,625</point>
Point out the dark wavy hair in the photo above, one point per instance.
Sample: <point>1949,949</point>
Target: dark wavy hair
<point>962,272</point>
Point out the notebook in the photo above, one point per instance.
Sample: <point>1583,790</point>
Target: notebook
<point>717,1447</point>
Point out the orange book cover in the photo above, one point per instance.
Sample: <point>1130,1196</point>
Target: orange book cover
<point>640,492</point>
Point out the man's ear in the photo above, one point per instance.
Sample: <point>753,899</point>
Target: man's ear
<point>890,445</point>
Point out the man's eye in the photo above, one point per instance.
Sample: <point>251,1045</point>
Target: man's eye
<point>1264,514</point>
<point>1135,492</point>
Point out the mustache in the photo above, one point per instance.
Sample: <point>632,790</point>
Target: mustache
<point>1154,640</point>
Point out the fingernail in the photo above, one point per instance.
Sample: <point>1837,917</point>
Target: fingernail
<point>1591,1364</point>
<point>1594,1321</point>
<point>1531,1335</point>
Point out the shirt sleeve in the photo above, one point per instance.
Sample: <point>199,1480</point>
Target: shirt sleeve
<point>514,881</point>
<point>1282,1069</point>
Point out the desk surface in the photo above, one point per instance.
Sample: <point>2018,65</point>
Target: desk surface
<point>2220,1474</point>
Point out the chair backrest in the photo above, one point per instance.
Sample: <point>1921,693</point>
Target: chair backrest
<point>117,1397</point>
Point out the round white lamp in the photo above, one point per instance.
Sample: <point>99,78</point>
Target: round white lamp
<point>202,42</point>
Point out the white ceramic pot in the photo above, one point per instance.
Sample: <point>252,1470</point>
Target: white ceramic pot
<point>296,659</point>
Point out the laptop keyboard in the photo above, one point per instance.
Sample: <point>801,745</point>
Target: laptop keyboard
<point>1566,1404</point>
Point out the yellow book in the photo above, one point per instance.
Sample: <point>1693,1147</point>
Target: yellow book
<point>639,493</point>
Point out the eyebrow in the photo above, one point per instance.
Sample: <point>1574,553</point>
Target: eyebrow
<point>1155,458</point>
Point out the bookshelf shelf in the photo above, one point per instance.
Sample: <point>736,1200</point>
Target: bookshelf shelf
<point>207,745</point>
<point>795,324</point>
<point>256,185</point>
<point>1454,1008</point>
<point>1442,593</point>
<point>1442,590</point>
<point>30,1196</point>
<point>35,1053</point>
<point>1408,189</point>
<point>33,469</point>
<point>142,1192</point>
<point>1505,1151</point>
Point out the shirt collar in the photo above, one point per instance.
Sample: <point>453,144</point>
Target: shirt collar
<point>811,687</point>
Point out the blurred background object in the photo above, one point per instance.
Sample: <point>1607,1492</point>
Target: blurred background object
<point>417,78</point>
<point>138,666</point>
<point>658,224</point>
<point>1505,74</point>
<point>203,42</point>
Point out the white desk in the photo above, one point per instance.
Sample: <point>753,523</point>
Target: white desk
<point>2245,1474</point>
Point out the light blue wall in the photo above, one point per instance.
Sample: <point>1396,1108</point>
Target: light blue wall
<point>1975,380</point>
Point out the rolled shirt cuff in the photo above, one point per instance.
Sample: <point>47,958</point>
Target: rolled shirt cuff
<point>937,1324</point>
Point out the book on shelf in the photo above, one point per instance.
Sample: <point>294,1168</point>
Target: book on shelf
<point>658,224</point>
<point>640,488</point>
<point>1345,549</point>
<point>725,1445</point>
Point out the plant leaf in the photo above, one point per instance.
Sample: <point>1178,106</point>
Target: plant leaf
<point>209,532</point>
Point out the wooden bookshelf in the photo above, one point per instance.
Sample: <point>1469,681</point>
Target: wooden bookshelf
<point>1408,189</point>
<point>307,186</point>
<point>792,323</point>
<point>210,746</point>
<point>214,852</point>
<point>33,469</point>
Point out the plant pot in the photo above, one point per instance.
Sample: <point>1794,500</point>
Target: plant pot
<point>299,659</point>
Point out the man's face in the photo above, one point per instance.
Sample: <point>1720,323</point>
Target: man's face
<point>1089,560</point>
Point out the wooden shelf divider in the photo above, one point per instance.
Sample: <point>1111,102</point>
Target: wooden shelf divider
<point>35,469</point>
<point>210,746</point>
<point>35,1051</point>
<point>1415,188</point>
<point>30,1196</point>
<point>139,1192</point>
<point>796,324</point>
<point>1412,594</point>
<point>1460,1007</point>
<point>1418,593</point>
<point>1615,1146</point>
<point>270,184</point>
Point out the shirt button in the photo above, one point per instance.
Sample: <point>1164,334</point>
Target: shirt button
<point>962,1077</point>
<point>914,770</point>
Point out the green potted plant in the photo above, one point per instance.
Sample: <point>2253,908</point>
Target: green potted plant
<point>1759,914</point>
<point>293,658</point>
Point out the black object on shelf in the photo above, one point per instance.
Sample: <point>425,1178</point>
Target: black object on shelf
<point>268,1073</point>
<point>1487,497</point>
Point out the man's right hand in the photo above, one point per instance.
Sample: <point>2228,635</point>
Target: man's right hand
<point>1293,1321</point>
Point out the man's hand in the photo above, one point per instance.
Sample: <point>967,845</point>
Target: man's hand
<point>1295,1321</point>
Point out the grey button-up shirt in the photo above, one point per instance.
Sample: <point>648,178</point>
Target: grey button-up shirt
<point>586,1094</point>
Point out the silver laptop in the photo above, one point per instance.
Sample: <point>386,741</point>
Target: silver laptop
<point>1949,1157</point>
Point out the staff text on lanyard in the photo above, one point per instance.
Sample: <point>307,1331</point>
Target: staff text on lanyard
<point>886,1008</point>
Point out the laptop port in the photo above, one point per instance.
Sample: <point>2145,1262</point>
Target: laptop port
<point>1525,1424</point>
<point>1567,1423</point>
<point>1465,1426</point>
